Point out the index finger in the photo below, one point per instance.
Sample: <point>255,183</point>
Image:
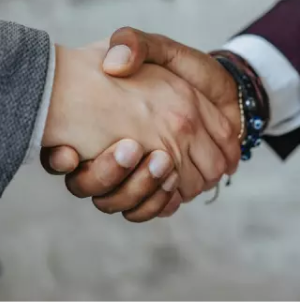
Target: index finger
<point>108,170</point>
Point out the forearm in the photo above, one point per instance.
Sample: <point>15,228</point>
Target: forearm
<point>24,59</point>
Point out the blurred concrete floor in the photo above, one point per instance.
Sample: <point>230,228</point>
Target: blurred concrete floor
<point>245,247</point>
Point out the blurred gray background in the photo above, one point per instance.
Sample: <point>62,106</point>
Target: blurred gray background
<point>246,246</point>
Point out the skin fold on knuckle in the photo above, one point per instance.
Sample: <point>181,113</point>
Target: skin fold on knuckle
<point>75,187</point>
<point>184,118</point>
<point>172,207</point>
<point>169,211</point>
<point>130,197</point>
<point>147,186</point>
<point>134,219</point>
<point>142,216</point>
<point>188,196</point>
<point>128,36</point>
<point>225,130</point>
<point>183,123</point>
<point>218,171</point>
<point>107,173</point>
<point>232,153</point>
<point>150,209</point>
<point>235,157</point>
<point>113,205</point>
<point>104,206</point>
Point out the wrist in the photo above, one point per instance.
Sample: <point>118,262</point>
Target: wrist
<point>228,94</point>
<point>55,114</point>
<point>253,100</point>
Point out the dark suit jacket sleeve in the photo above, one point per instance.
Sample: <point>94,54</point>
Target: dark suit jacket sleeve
<point>24,57</point>
<point>281,27</point>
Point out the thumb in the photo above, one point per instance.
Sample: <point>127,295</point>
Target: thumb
<point>127,52</point>
<point>131,48</point>
<point>118,61</point>
<point>59,160</point>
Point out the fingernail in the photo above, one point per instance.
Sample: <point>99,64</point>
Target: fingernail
<point>53,164</point>
<point>171,183</point>
<point>160,164</point>
<point>128,153</point>
<point>118,56</point>
<point>60,162</point>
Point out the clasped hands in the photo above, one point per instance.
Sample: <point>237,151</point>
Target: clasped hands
<point>141,124</point>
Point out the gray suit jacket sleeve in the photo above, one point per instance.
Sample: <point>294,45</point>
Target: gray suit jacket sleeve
<point>24,55</point>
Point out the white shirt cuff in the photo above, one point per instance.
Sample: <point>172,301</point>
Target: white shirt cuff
<point>40,123</point>
<point>280,79</point>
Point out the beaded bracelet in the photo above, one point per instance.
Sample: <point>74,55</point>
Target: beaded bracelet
<point>253,100</point>
<point>253,103</point>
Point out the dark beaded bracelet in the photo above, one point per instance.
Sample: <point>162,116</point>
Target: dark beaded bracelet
<point>253,102</point>
<point>253,99</point>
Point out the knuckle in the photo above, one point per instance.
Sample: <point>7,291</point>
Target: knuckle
<point>184,123</point>
<point>197,191</point>
<point>153,210</point>
<point>106,173</point>
<point>131,204</point>
<point>75,188</point>
<point>115,204</point>
<point>104,182</point>
<point>236,155</point>
<point>171,211</point>
<point>148,211</point>
<point>109,210</point>
<point>126,30</point>
<point>219,170</point>
<point>130,34</point>
<point>178,51</point>
<point>234,160</point>
<point>142,216</point>
<point>134,218</point>
<point>186,90</point>
<point>209,186</point>
<point>190,195</point>
<point>103,207</point>
<point>183,116</point>
<point>226,130</point>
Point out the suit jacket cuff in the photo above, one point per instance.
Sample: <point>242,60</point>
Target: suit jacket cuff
<point>24,58</point>
<point>281,27</point>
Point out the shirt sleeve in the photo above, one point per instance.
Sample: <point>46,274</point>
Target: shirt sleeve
<point>40,123</point>
<point>281,80</point>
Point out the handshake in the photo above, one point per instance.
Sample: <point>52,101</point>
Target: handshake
<point>141,123</point>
